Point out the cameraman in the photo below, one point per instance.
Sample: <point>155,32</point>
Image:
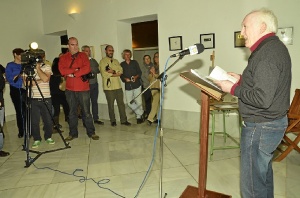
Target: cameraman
<point>39,108</point>
<point>94,87</point>
<point>73,65</point>
<point>13,73</point>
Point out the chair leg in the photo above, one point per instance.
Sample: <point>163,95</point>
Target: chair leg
<point>289,149</point>
<point>212,135</point>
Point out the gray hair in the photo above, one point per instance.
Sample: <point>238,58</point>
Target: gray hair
<point>85,46</point>
<point>266,16</point>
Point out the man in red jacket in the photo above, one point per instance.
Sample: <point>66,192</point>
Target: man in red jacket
<point>74,65</point>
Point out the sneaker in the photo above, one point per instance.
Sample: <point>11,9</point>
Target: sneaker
<point>36,144</point>
<point>126,123</point>
<point>50,141</point>
<point>98,122</point>
<point>94,137</point>
<point>113,124</point>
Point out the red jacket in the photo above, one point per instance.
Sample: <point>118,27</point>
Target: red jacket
<point>80,66</point>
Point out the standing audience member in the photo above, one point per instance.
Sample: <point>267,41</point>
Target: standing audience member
<point>131,77</point>
<point>40,103</point>
<point>264,99</point>
<point>94,86</point>
<point>58,96</point>
<point>111,70</point>
<point>155,89</point>
<point>2,85</point>
<point>13,73</point>
<point>73,65</point>
<point>145,68</point>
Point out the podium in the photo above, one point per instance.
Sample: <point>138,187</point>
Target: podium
<point>207,91</point>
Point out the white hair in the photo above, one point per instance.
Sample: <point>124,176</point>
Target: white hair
<point>267,17</point>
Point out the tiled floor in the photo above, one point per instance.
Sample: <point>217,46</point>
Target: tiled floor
<point>118,163</point>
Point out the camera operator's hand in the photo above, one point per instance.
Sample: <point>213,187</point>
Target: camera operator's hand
<point>44,77</point>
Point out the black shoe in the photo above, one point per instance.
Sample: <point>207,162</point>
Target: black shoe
<point>99,122</point>
<point>20,135</point>
<point>126,123</point>
<point>113,124</point>
<point>156,121</point>
<point>139,121</point>
<point>149,122</point>
<point>3,154</point>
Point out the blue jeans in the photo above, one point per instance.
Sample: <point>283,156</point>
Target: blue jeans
<point>137,105</point>
<point>258,143</point>
<point>81,98</point>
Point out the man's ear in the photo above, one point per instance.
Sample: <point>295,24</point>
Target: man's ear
<point>263,28</point>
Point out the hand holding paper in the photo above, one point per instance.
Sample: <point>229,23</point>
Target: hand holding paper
<point>220,74</point>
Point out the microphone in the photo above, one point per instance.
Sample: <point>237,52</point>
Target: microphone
<point>192,50</point>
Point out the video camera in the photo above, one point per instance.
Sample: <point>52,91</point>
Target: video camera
<point>30,58</point>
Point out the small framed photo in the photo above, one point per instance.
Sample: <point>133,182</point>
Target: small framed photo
<point>239,40</point>
<point>208,40</point>
<point>285,35</point>
<point>175,43</point>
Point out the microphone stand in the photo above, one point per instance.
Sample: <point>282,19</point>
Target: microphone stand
<point>162,77</point>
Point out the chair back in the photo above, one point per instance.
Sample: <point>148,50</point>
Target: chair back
<point>294,113</point>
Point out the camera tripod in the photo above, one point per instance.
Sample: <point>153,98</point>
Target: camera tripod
<point>27,134</point>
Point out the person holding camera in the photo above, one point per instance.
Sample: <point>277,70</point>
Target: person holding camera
<point>94,89</point>
<point>40,100</point>
<point>75,65</point>
<point>132,78</point>
<point>13,73</point>
<point>111,71</point>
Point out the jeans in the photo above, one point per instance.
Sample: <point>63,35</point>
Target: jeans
<point>111,96</point>
<point>39,109</point>
<point>137,105</point>
<point>94,91</point>
<point>258,143</point>
<point>83,99</point>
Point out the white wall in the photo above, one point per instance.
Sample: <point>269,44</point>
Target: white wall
<point>108,22</point>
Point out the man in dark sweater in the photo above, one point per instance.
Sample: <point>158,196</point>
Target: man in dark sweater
<point>132,78</point>
<point>264,98</point>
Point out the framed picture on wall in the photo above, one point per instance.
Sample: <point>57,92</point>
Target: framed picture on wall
<point>175,43</point>
<point>239,40</point>
<point>208,40</point>
<point>285,35</point>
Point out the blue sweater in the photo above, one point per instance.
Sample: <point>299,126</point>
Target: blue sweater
<point>13,69</point>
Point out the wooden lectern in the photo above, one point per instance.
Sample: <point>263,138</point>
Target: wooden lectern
<point>207,91</point>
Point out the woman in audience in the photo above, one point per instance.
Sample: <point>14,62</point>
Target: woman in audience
<point>155,89</point>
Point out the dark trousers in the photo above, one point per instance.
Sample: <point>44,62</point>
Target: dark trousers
<point>39,109</point>
<point>111,96</point>
<point>57,100</point>
<point>148,100</point>
<point>19,104</point>
<point>81,98</point>
<point>94,91</point>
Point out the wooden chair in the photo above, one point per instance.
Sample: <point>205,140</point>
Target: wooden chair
<point>293,127</point>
